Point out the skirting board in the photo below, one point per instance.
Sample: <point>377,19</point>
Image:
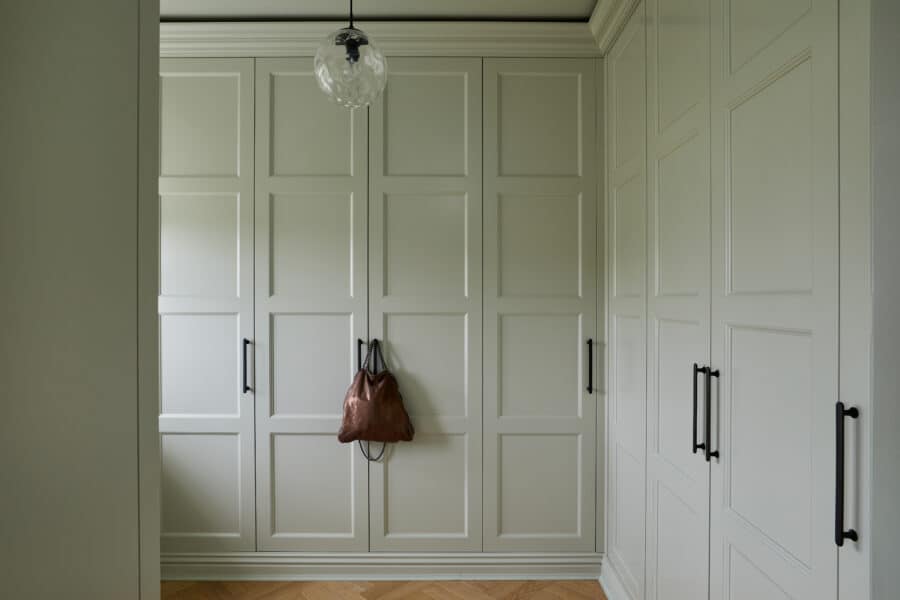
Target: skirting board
<point>611,584</point>
<point>374,566</point>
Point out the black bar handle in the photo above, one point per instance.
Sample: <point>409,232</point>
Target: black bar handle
<point>697,370</point>
<point>840,534</point>
<point>590,385</point>
<point>359,345</point>
<point>710,453</point>
<point>244,365</point>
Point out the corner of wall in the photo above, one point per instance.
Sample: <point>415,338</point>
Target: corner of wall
<point>147,282</point>
<point>611,583</point>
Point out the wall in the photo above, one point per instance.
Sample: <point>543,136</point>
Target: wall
<point>148,292</point>
<point>885,133</point>
<point>68,261</point>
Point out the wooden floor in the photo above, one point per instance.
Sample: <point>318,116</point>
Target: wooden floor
<point>382,590</point>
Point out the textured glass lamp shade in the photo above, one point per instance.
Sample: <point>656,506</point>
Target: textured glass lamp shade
<point>349,68</point>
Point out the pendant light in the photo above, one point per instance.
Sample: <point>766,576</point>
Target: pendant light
<point>349,68</point>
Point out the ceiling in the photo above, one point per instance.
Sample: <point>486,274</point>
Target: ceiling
<point>384,10</point>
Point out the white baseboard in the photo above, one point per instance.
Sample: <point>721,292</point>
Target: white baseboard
<point>378,565</point>
<point>611,583</point>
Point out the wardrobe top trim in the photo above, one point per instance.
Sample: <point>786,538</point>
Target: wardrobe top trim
<point>608,20</point>
<point>254,39</point>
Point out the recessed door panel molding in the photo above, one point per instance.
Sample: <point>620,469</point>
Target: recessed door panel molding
<point>315,140</point>
<point>200,235</point>
<point>769,233</point>
<point>678,297</point>
<point>439,92</point>
<point>311,289</point>
<point>753,26</point>
<point>628,222</point>
<point>540,105</point>
<point>425,301</point>
<point>540,304</point>
<point>678,60</point>
<point>626,219</point>
<point>203,115</point>
<point>310,502</point>
<point>626,535</point>
<point>206,304</point>
<point>626,98</point>
<point>774,297</point>
<point>201,486</point>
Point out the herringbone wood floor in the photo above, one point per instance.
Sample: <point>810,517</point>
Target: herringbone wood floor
<point>382,590</point>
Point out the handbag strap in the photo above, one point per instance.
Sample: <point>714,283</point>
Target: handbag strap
<point>367,452</point>
<point>369,352</point>
<point>378,355</point>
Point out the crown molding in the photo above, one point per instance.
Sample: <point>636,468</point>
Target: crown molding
<point>608,20</point>
<point>451,38</point>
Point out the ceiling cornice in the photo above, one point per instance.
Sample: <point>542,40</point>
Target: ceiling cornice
<point>608,20</point>
<point>451,38</point>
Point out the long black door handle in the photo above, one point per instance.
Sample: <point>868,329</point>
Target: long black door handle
<point>697,370</point>
<point>244,365</point>
<point>359,346</point>
<point>590,385</point>
<point>710,453</point>
<point>840,534</point>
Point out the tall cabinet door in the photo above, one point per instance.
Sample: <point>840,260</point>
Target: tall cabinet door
<point>774,298</point>
<point>310,310</point>
<point>626,310</point>
<point>206,304</point>
<point>425,300</point>
<point>540,304</point>
<point>678,300</point>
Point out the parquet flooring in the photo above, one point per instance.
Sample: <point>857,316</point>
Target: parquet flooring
<point>382,590</point>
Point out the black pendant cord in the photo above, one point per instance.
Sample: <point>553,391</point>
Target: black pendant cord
<point>351,15</point>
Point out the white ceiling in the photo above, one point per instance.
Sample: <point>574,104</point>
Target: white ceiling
<point>329,10</point>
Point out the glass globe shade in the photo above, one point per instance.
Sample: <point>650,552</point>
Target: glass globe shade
<point>349,68</point>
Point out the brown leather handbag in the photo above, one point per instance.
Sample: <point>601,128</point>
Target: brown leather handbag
<point>373,406</point>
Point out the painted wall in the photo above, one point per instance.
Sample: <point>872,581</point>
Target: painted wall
<point>69,152</point>
<point>886,239</point>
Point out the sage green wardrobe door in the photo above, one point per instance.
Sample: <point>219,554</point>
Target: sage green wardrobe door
<point>540,304</point>
<point>775,249</point>
<point>310,310</point>
<point>626,226</point>
<point>678,297</point>
<point>206,304</point>
<point>425,300</point>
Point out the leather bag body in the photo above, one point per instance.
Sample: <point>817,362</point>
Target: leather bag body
<point>373,407</point>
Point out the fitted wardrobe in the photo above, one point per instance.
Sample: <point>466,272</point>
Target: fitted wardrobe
<point>728,445</point>
<point>455,220</point>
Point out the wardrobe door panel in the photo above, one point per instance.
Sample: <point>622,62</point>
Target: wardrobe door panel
<point>626,218</point>
<point>206,304</point>
<point>425,300</point>
<point>678,297</point>
<point>540,106</point>
<point>312,494</point>
<point>311,308</point>
<point>774,298</point>
<point>202,103</point>
<point>201,486</point>
<point>198,366</point>
<point>307,133</point>
<point>540,304</point>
